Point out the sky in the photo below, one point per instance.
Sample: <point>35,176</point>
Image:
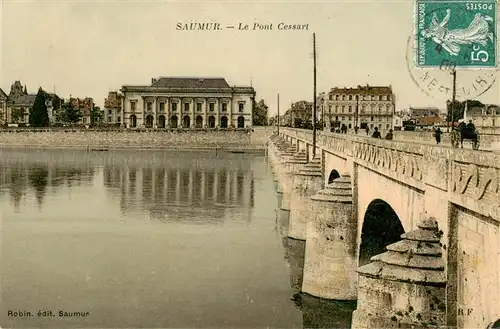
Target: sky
<point>88,48</point>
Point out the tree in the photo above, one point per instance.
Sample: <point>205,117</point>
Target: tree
<point>459,108</point>
<point>95,116</point>
<point>17,114</point>
<point>69,114</point>
<point>39,117</point>
<point>260,113</point>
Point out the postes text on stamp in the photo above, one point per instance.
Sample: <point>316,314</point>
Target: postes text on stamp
<point>462,32</point>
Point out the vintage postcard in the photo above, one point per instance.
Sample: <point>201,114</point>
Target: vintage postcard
<point>249,164</point>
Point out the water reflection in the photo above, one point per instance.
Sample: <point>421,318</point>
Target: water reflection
<point>112,234</point>
<point>171,193</point>
<point>316,312</point>
<point>35,171</point>
<point>169,188</point>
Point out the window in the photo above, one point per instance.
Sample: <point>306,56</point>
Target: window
<point>149,106</point>
<point>109,112</point>
<point>186,107</point>
<point>343,118</point>
<point>387,126</point>
<point>198,107</point>
<point>330,108</point>
<point>350,118</point>
<point>350,97</point>
<point>380,109</point>
<point>336,118</point>
<point>162,107</point>
<point>224,107</point>
<point>343,108</point>
<point>118,119</point>
<point>109,118</point>
<point>372,118</point>
<point>350,126</point>
<point>133,105</point>
<point>84,120</point>
<point>350,109</point>
<point>174,107</point>
<point>241,107</point>
<point>212,107</point>
<point>330,97</point>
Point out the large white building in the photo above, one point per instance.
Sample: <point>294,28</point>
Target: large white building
<point>187,102</point>
<point>364,106</point>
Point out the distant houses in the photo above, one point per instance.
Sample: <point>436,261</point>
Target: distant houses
<point>16,106</point>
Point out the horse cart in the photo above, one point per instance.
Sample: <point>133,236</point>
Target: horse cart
<point>465,133</point>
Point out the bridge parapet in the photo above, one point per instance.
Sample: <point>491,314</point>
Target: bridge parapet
<point>472,178</point>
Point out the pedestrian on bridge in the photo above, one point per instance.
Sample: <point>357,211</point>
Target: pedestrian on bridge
<point>437,135</point>
<point>389,135</point>
<point>376,133</point>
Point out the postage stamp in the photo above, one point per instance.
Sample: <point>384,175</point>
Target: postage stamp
<point>437,82</point>
<point>459,32</point>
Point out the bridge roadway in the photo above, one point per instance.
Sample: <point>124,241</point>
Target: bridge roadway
<point>419,140</point>
<point>419,223</point>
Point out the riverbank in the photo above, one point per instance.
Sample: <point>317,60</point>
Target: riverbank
<point>95,140</point>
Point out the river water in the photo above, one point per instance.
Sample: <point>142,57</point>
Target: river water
<point>142,239</point>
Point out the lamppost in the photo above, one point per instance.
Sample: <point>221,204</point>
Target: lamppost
<point>356,115</point>
<point>322,113</point>
<point>329,120</point>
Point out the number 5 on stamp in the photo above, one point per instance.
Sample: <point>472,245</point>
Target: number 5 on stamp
<point>461,32</point>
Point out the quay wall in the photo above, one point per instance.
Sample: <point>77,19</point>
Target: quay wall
<point>155,139</point>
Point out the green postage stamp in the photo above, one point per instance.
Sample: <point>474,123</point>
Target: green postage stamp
<point>458,32</point>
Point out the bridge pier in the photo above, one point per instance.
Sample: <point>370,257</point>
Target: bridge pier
<point>330,254</point>
<point>274,158</point>
<point>290,168</point>
<point>404,287</point>
<point>285,153</point>
<point>307,181</point>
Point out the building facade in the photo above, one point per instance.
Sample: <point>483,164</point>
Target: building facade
<point>19,104</point>
<point>187,102</point>
<point>85,106</point>
<point>113,108</point>
<point>486,119</point>
<point>363,106</point>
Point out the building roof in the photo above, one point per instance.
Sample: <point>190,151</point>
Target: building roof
<point>23,100</point>
<point>363,90</point>
<point>2,94</point>
<point>425,108</point>
<point>190,82</point>
<point>189,85</point>
<point>429,121</point>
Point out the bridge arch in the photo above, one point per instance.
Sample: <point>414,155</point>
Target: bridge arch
<point>334,174</point>
<point>381,227</point>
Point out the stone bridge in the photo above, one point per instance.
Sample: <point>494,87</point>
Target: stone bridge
<point>411,231</point>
